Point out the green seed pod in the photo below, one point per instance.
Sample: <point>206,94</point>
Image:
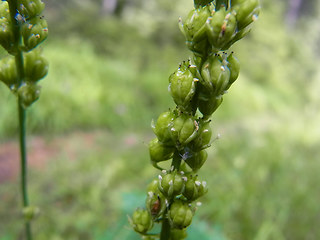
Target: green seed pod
<point>234,66</point>
<point>180,214</point>
<point>141,221</point>
<point>153,186</point>
<point>30,212</point>
<point>34,32</point>
<point>216,72</point>
<point>156,204</point>
<point>171,184</point>
<point>35,66</point>
<point>194,26</point>
<point>194,188</point>
<point>203,138</point>
<point>184,129</point>
<point>247,12</point>
<point>196,160</point>
<point>158,152</point>
<point>163,126</point>
<point>6,35</point>
<point>29,93</point>
<point>4,10</point>
<point>30,9</point>
<point>194,29</point>
<point>8,72</point>
<point>178,234</point>
<point>182,85</point>
<point>208,107</point>
<point>228,30</point>
<point>214,26</point>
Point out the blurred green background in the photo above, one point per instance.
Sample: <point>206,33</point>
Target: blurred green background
<point>109,66</point>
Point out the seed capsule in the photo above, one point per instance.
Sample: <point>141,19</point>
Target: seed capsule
<point>158,152</point>
<point>35,66</point>
<point>182,86</point>
<point>34,32</point>
<point>30,212</point>
<point>221,28</point>
<point>216,74</point>
<point>247,12</point>
<point>29,93</point>
<point>196,161</point>
<point>184,129</point>
<point>194,29</point>
<point>141,220</point>
<point>30,9</point>
<point>171,184</point>
<point>194,188</point>
<point>202,141</point>
<point>6,35</point>
<point>163,126</point>
<point>155,203</point>
<point>209,106</point>
<point>180,214</point>
<point>8,72</point>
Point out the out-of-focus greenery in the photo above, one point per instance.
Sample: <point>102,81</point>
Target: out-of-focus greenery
<point>262,174</point>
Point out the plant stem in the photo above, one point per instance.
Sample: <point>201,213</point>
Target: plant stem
<point>165,228</point>
<point>23,162</point>
<point>18,54</point>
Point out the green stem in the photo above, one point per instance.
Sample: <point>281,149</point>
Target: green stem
<point>176,161</point>
<point>165,228</point>
<point>23,162</point>
<point>18,54</point>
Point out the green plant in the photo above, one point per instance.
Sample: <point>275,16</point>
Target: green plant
<point>22,29</point>
<point>182,134</point>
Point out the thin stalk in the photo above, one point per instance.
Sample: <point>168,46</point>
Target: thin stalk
<point>23,162</point>
<point>165,228</point>
<point>18,54</point>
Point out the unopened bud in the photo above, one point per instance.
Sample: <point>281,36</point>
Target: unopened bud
<point>163,126</point>
<point>8,72</point>
<point>29,93</point>
<point>194,188</point>
<point>30,212</point>
<point>35,66</point>
<point>180,214</point>
<point>182,85</point>
<point>158,152</point>
<point>30,8</point>
<point>208,107</point>
<point>184,129</point>
<point>203,138</point>
<point>247,12</point>
<point>196,161</point>
<point>34,32</point>
<point>171,184</point>
<point>141,220</point>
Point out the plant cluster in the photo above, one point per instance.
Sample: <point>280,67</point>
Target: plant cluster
<point>182,134</point>
<point>22,29</point>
